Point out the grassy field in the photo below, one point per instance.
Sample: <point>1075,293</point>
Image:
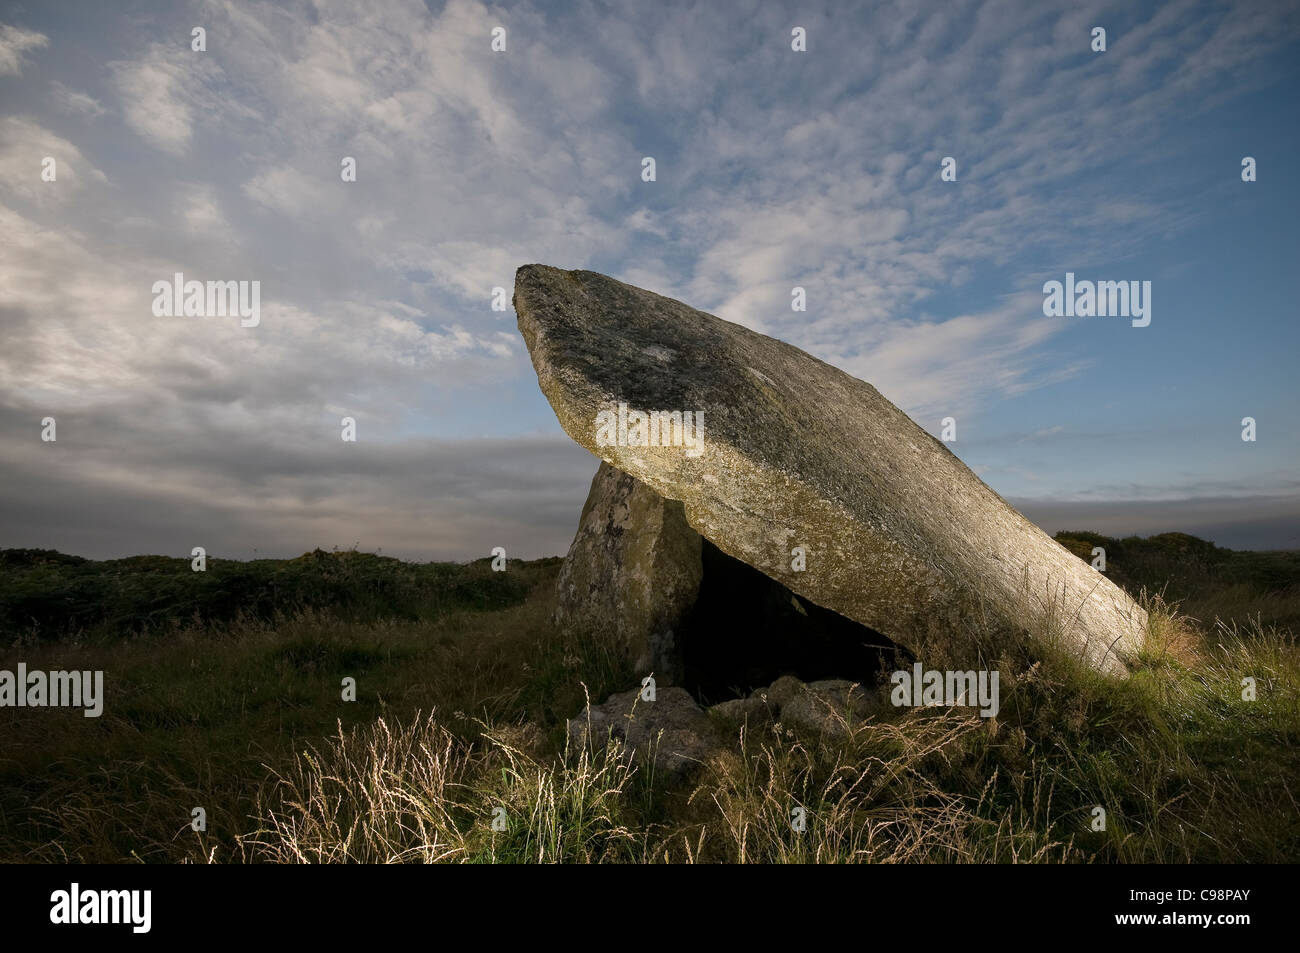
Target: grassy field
<point>224,692</point>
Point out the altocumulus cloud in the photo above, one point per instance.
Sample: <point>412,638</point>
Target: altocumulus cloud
<point>775,170</point>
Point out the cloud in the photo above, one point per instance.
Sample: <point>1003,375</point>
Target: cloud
<point>157,95</point>
<point>108,350</point>
<point>282,189</point>
<point>15,43</point>
<point>458,499</point>
<point>24,146</point>
<point>74,102</point>
<point>167,91</point>
<point>200,209</point>
<point>949,367</point>
<point>1255,522</point>
<point>1042,433</point>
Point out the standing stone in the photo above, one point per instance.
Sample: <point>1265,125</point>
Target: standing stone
<point>632,572</point>
<point>900,535</point>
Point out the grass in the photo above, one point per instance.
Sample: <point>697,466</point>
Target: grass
<point>462,692</point>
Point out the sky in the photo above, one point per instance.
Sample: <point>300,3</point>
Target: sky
<point>775,168</point>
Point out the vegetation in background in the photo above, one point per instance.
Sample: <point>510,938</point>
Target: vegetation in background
<point>47,594</point>
<point>1203,580</point>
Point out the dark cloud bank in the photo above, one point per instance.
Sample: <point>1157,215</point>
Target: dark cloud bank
<point>430,499</point>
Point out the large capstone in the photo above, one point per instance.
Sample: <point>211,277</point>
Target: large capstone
<point>804,473</point>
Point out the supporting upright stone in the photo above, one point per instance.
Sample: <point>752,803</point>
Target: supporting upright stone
<point>631,574</point>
